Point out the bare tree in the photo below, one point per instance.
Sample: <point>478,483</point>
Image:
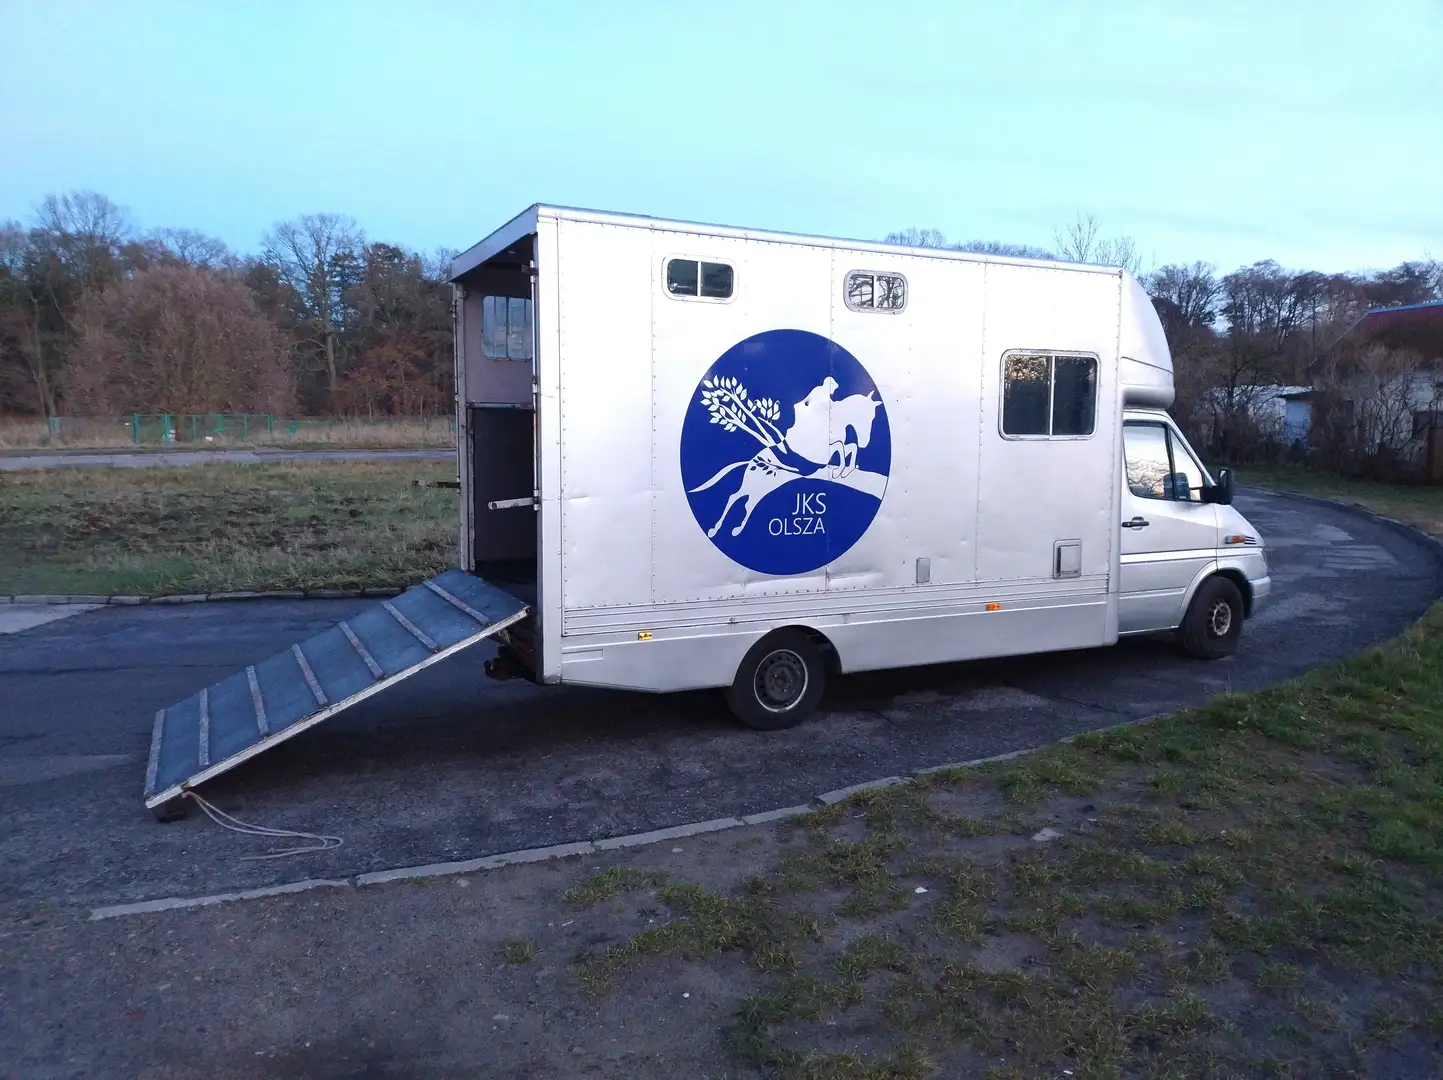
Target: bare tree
<point>915,237</point>
<point>177,338</point>
<point>86,232</point>
<point>319,257</point>
<point>1082,242</point>
<point>1186,296</point>
<point>193,248</point>
<point>76,245</point>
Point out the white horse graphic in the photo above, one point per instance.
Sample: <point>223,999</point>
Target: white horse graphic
<point>823,430</point>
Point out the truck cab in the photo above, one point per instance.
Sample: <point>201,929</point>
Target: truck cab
<point>1190,562</point>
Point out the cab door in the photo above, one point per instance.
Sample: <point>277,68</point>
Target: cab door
<point>1169,535</point>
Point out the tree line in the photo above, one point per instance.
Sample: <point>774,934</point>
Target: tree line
<point>99,317</point>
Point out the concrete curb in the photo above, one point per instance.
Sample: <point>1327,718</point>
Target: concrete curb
<point>542,854</point>
<point>45,599</point>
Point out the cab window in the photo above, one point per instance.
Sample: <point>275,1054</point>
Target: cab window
<point>1159,466</point>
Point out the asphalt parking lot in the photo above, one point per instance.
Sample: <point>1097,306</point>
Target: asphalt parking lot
<point>450,765</point>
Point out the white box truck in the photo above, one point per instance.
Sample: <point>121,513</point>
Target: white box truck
<point>719,457</point>
<point>693,456</point>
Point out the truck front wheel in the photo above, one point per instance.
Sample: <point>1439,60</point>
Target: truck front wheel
<point>1214,620</point>
<point>779,683</point>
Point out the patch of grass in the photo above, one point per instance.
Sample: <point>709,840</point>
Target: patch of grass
<point>518,951</point>
<point>960,920</point>
<point>868,953</point>
<point>604,884</point>
<point>708,923</point>
<point>224,527</point>
<point>1278,977</point>
<point>1092,966</point>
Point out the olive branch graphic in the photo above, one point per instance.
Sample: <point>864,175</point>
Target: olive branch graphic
<point>731,406</point>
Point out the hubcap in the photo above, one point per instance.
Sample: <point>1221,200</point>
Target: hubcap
<point>1220,618</point>
<point>781,680</point>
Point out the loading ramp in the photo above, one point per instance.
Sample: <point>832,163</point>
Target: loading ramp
<point>251,711</point>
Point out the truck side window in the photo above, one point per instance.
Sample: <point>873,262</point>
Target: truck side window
<point>1074,395</point>
<point>1157,466</point>
<point>1047,395</point>
<point>870,291</point>
<point>693,277</point>
<point>506,327</point>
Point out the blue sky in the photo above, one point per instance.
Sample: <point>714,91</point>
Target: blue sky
<point>1311,132</point>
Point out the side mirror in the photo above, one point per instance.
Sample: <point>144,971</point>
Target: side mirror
<point>1221,492</point>
<point>1179,488</point>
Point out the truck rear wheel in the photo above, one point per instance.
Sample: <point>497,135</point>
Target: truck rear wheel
<point>779,683</point>
<point>1214,620</point>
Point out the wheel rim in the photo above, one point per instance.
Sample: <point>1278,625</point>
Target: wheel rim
<point>1220,618</point>
<point>781,680</point>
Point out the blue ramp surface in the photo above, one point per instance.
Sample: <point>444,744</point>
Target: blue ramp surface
<point>268,702</point>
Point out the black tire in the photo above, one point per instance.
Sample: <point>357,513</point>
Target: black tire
<point>779,683</point>
<point>1214,620</point>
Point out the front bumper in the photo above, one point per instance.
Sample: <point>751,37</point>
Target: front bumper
<point>1260,588</point>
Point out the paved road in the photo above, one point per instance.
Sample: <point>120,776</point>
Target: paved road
<point>449,765</point>
<point>152,458</point>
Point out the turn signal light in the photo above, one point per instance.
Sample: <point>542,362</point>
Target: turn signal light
<point>1239,538</point>
<point>643,635</point>
<point>994,607</point>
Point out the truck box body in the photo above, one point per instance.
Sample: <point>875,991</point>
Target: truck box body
<point>700,434</point>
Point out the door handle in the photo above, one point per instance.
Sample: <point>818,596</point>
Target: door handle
<point>1136,523</point>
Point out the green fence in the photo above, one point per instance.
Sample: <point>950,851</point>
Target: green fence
<point>199,427</point>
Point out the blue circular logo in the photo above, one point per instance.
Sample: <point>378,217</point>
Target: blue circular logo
<point>785,452</point>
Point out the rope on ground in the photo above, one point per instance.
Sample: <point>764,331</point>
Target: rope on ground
<point>245,828</point>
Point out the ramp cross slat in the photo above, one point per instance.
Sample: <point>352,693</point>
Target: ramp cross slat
<point>411,627</point>
<point>268,702</point>
<point>205,727</point>
<point>364,653</point>
<point>459,604</point>
<point>258,702</point>
<point>310,675</point>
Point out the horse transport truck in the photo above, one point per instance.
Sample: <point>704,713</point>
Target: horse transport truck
<point>692,456</point>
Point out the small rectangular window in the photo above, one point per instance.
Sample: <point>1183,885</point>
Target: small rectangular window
<point>681,277</point>
<point>1047,395</point>
<point>716,280</point>
<point>1026,385</point>
<point>506,327</point>
<point>1074,395</point>
<point>867,290</point>
<point>693,277</point>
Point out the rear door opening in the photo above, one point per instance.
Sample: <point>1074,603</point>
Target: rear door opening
<point>495,377</point>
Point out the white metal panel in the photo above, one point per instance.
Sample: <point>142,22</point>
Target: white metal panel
<point>1145,370</point>
<point>547,314</point>
<point>1034,492</point>
<point>703,654</point>
<point>776,287</point>
<point>926,360</point>
<point>606,403</point>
